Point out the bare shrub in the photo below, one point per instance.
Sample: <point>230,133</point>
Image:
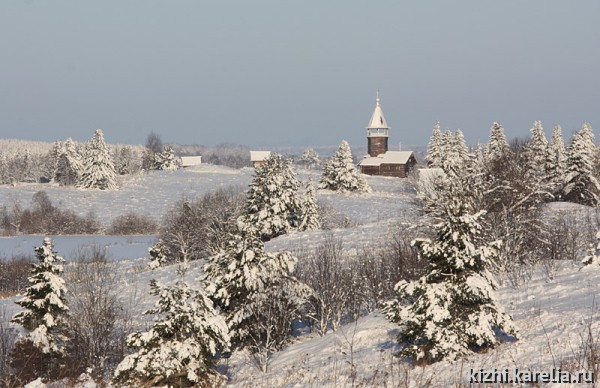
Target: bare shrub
<point>127,160</point>
<point>570,233</point>
<point>11,219</point>
<point>154,146</point>
<point>384,263</point>
<point>132,223</point>
<point>331,218</point>
<point>275,311</point>
<point>94,332</point>
<point>8,337</point>
<point>198,228</point>
<point>45,218</point>
<point>14,274</point>
<point>330,276</point>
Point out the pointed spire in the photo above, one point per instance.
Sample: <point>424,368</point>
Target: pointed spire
<point>377,119</point>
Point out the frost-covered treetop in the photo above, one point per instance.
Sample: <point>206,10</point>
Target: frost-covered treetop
<point>340,174</point>
<point>497,147</point>
<point>434,149</point>
<point>272,204</point>
<point>98,168</point>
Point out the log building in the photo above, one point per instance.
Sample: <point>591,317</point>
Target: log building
<point>381,161</point>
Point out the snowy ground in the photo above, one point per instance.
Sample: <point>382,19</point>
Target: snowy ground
<point>556,318</point>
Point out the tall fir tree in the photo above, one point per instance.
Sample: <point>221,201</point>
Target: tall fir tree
<point>44,305</point>
<point>450,311</point>
<point>70,166</point>
<point>434,148</point>
<point>309,219</point>
<point>556,164</point>
<point>98,168</point>
<point>536,155</point>
<point>240,277</point>
<point>272,203</point>
<point>53,159</point>
<point>476,175</point>
<point>462,151</point>
<point>581,185</point>
<point>448,149</point>
<point>340,174</point>
<point>497,148</point>
<point>181,346</point>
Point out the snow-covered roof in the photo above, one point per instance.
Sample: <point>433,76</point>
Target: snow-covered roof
<point>377,120</point>
<point>259,156</point>
<point>188,161</point>
<point>390,157</point>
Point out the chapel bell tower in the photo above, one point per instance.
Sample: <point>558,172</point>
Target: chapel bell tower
<point>377,132</point>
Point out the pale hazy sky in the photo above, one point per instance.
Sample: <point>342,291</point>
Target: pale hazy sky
<point>300,73</point>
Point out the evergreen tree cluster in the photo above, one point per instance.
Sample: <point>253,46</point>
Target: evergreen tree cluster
<point>451,310</point>
<point>88,166</point>
<point>247,298</point>
<point>553,170</point>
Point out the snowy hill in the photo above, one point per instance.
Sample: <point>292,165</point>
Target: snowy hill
<point>557,321</point>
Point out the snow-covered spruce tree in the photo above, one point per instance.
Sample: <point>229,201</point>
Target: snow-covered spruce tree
<point>41,351</point>
<point>70,166</point>
<point>248,284</point>
<point>157,255</point>
<point>272,203</point>
<point>44,307</point>
<point>181,346</point>
<point>461,151</point>
<point>580,184</point>
<point>448,149</point>
<point>451,311</point>
<point>476,174</point>
<point>340,174</point>
<point>309,220</point>
<point>536,155</point>
<point>497,148</point>
<point>167,160</point>
<point>556,164</point>
<point>98,168</point>
<point>434,148</point>
<point>53,159</point>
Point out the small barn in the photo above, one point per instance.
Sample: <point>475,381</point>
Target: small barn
<point>257,158</point>
<point>392,163</point>
<point>191,161</point>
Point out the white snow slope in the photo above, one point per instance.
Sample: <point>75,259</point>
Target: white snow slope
<point>557,320</point>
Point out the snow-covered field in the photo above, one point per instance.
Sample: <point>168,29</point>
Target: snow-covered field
<point>556,319</point>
